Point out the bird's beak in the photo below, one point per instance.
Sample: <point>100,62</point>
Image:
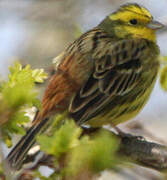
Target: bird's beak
<point>155,25</point>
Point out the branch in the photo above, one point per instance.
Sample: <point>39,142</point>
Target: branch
<point>135,148</point>
<point>145,153</point>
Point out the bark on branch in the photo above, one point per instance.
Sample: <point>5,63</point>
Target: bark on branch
<point>145,153</point>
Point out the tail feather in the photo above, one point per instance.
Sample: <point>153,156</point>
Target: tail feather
<point>17,155</point>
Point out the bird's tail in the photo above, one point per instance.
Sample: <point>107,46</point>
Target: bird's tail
<point>16,156</point>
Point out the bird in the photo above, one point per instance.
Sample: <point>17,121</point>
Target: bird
<point>104,77</point>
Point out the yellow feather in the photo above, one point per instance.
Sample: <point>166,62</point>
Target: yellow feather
<point>145,33</point>
<point>127,15</point>
<point>143,17</point>
<point>137,9</point>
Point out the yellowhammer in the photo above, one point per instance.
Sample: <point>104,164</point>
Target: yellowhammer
<point>104,77</point>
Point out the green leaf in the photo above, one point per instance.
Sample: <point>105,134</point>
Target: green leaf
<point>94,155</point>
<point>14,126</point>
<point>39,75</point>
<point>163,78</point>
<point>16,68</point>
<point>62,140</point>
<point>163,59</point>
<point>17,94</point>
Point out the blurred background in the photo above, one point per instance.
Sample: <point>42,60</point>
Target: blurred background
<point>35,31</point>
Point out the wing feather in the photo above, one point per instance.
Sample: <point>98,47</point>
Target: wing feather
<point>115,74</point>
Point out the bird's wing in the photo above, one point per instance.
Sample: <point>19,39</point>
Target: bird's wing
<point>116,73</point>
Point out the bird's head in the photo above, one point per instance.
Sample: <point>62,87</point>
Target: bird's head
<point>132,20</point>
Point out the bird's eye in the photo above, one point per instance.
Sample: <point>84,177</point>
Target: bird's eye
<point>133,21</point>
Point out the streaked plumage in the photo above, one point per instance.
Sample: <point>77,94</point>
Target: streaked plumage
<point>113,87</point>
<point>105,77</point>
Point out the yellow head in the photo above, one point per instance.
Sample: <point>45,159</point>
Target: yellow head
<point>132,20</point>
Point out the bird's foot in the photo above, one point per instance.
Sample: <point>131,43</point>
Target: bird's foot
<point>123,134</point>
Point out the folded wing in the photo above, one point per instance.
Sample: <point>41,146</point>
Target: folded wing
<point>115,73</point>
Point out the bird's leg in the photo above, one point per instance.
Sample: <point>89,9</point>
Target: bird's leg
<point>120,132</point>
<point>126,135</point>
<point>89,130</point>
